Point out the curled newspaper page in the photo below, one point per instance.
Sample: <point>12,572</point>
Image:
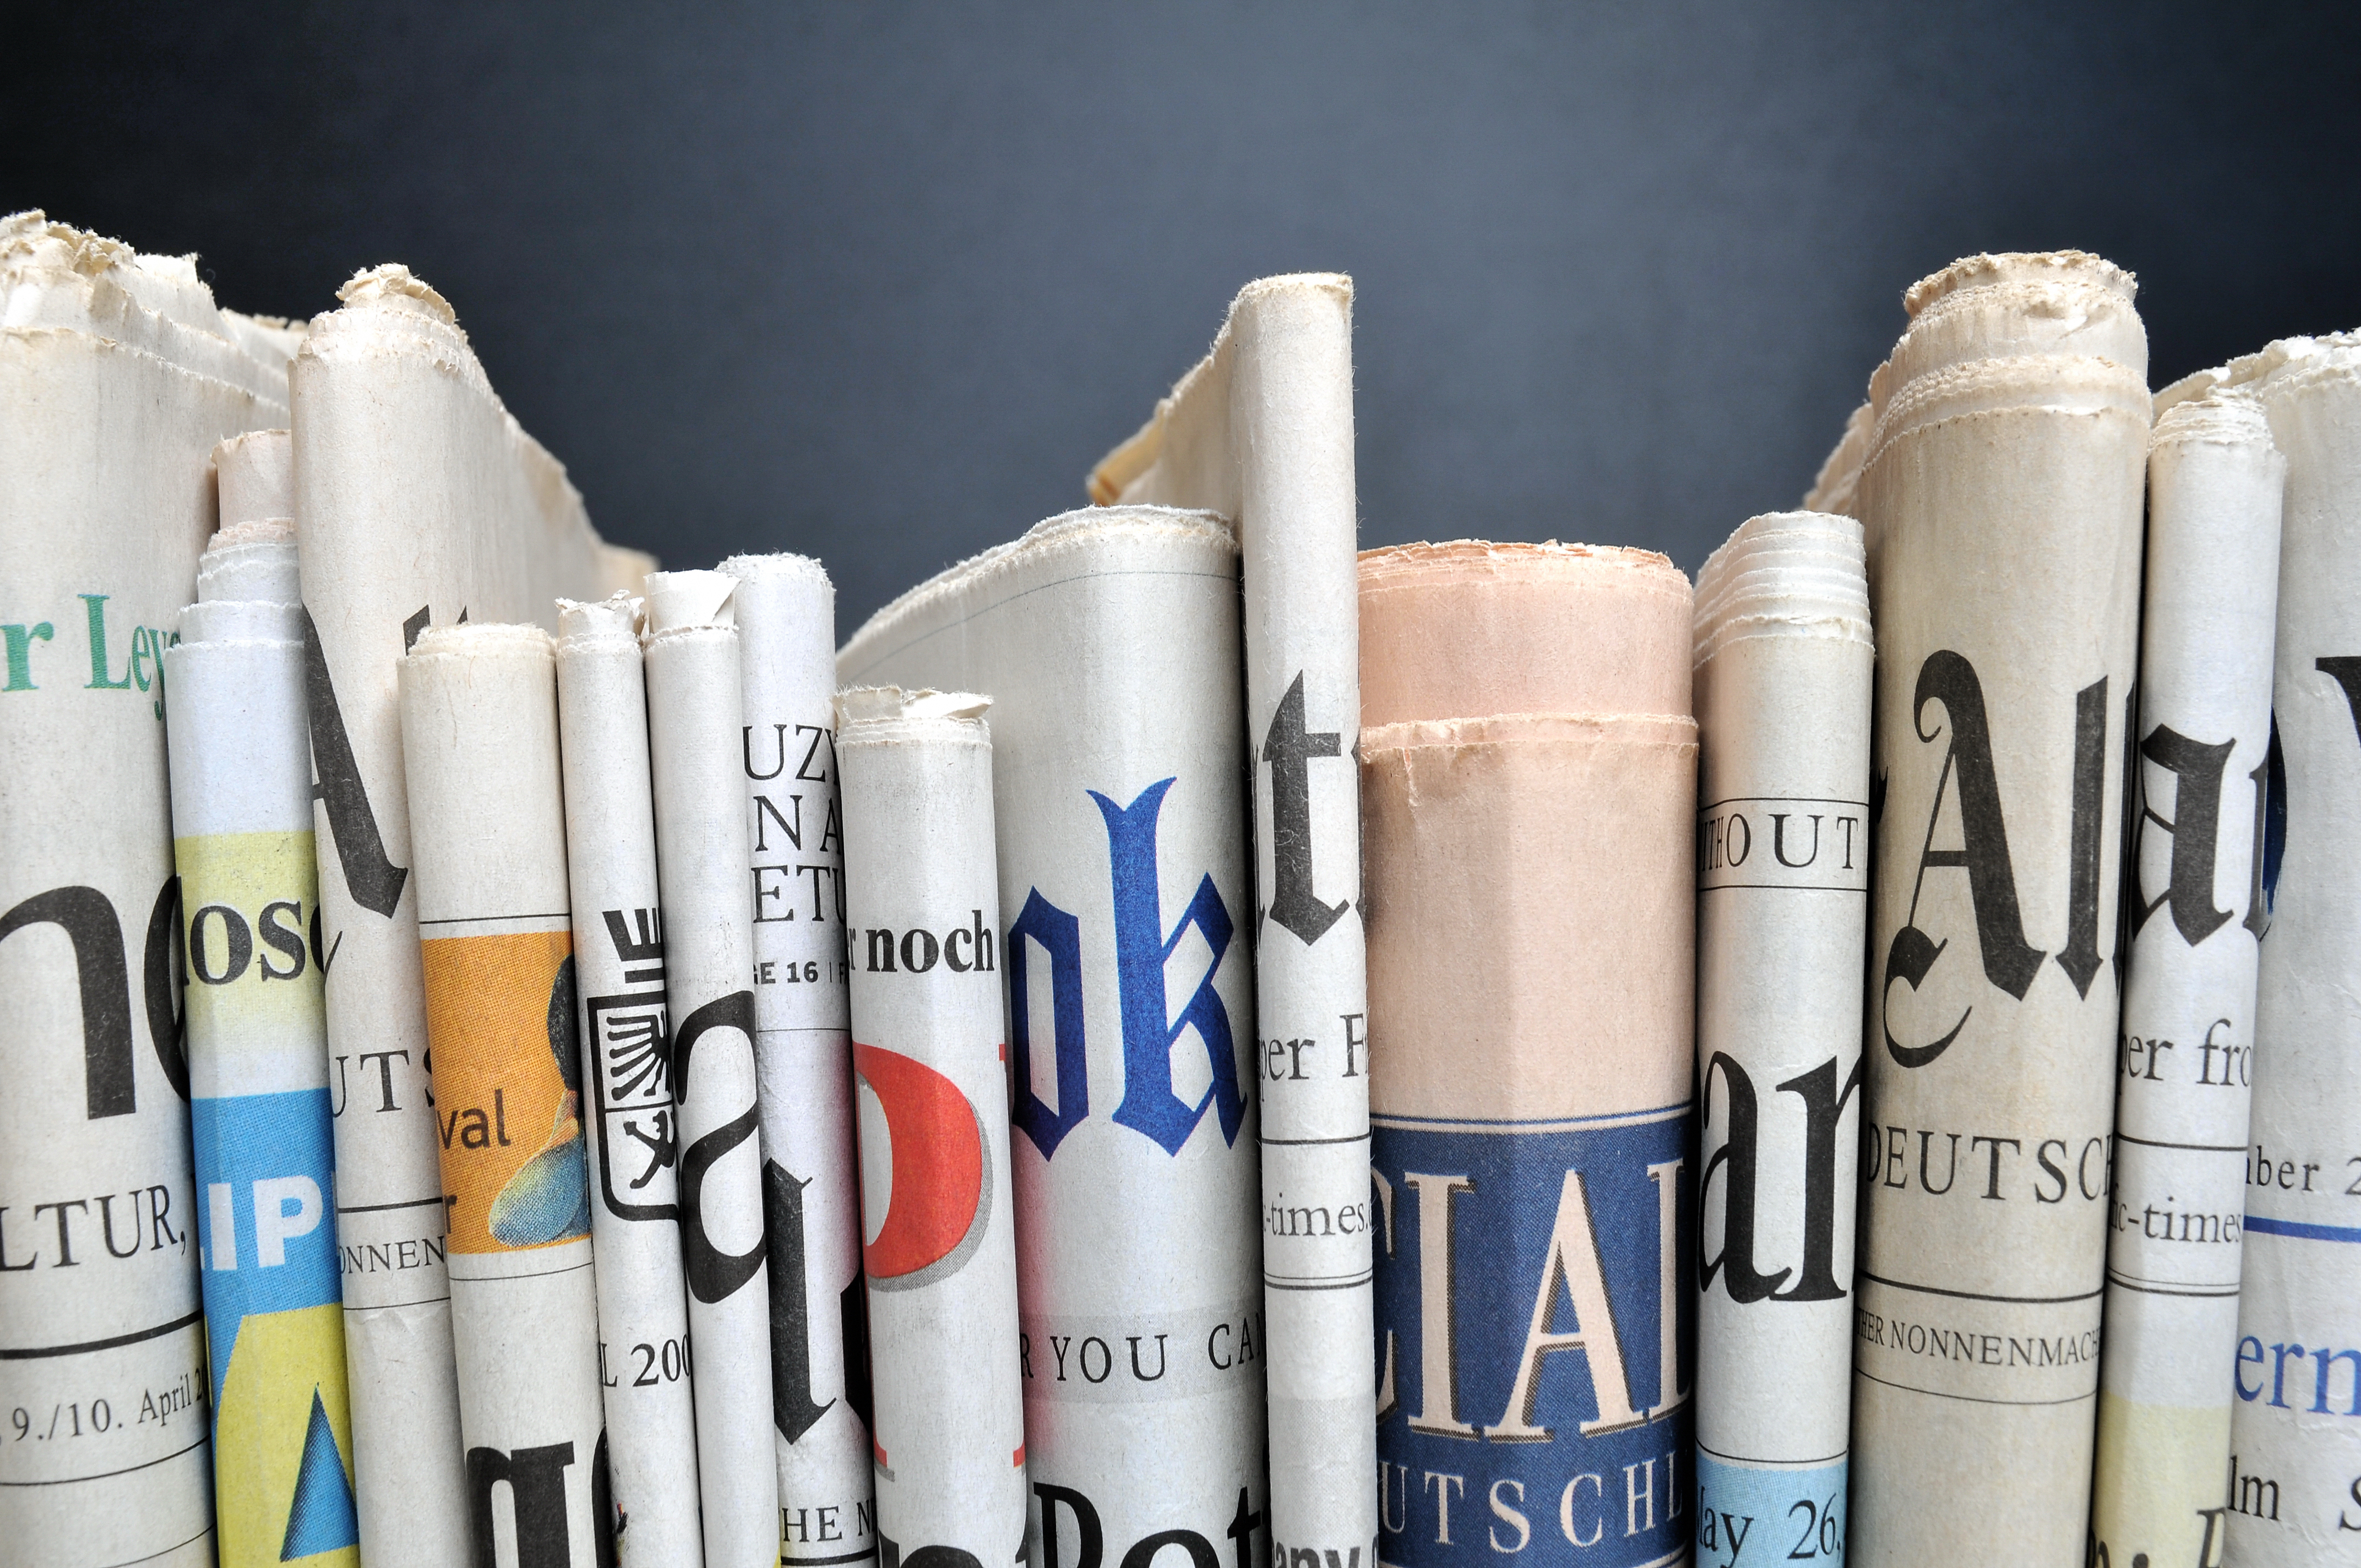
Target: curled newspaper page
<point>2002,498</point>
<point>628,1117</point>
<point>1262,431</point>
<point>1108,641</point>
<point>2193,925</point>
<point>419,502</point>
<point>1783,673</point>
<point>241,771</point>
<point>695,743</point>
<point>939,1245</point>
<point>488,826</point>
<point>2295,1461</point>
<point>118,376</point>
<point>1527,712</point>
<point>802,1053</point>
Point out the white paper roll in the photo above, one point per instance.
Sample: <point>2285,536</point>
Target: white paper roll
<point>696,742</point>
<point>930,1060</point>
<point>628,1115</point>
<point>487,826</point>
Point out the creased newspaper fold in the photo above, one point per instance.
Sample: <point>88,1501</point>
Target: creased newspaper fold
<point>2294,1481</point>
<point>930,1056</point>
<point>419,502</point>
<point>2194,928</point>
<point>1261,431</point>
<point>258,1034</point>
<point>627,1112</point>
<point>1108,643</point>
<point>118,377</point>
<point>487,828</point>
<point>2002,498</point>
<point>1783,673</point>
<point>696,746</point>
<point>1528,779</point>
<point>785,610</point>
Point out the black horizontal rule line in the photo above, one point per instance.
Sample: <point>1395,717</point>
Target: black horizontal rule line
<point>135,1561</point>
<point>1782,800</point>
<point>1972,1399</point>
<point>397,1306</point>
<point>1778,887</point>
<point>2200,1292</point>
<point>126,1470</point>
<point>2196,1148</point>
<point>435,1202</point>
<point>1352,1284</point>
<point>88,1347</point>
<point>1314,1143</point>
<point>1775,1464</point>
<point>480,919</point>
<point>536,1274</point>
<point>1981,1296</point>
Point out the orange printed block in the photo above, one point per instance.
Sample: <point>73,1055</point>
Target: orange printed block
<point>507,1075</point>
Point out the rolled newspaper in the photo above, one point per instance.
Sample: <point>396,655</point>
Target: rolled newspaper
<point>488,826</point>
<point>258,1034</point>
<point>695,742</point>
<point>1529,777</point>
<point>819,1338</point>
<point>1262,430</point>
<point>118,377</point>
<point>2194,925</point>
<point>1108,641</point>
<point>931,1061</point>
<point>2002,498</point>
<point>1783,670</point>
<point>419,502</point>
<point>634,1137</point>
<point>2295,1477</point>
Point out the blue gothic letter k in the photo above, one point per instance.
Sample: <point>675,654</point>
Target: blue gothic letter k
<point>1141,949</point>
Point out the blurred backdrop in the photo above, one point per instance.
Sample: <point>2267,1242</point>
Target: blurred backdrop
<point>880,282</point>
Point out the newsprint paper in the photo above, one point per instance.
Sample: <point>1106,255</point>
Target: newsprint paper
<point>627,1113</point>
<point>931,1055</point>
<point>2194,888</point>
<point>802,1055</point>
<point>488,825</point>
<point>418,503</point>
<point>118,376</point>
<point>1782,693</point>
<point>694,744</point>
<point>1530,1003</point>
<point>258,1035</point>
<point>2002,498</point>
<point>2295,1451</point>
<point>1262,431</point>
<point>1108,643</point>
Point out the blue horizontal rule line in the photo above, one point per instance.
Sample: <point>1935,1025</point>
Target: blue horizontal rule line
<point>2297,1228</point>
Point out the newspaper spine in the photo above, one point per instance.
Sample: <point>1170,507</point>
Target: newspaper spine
<point>1530,1105</point>
<point>2001,500</point>
<point>259,1064</point>
<point>2295,1476</point>
<point>643,1351</point>
<point>1293,375</point>
<point>933,1093</point>
<point>108,412</point>
<point>480,755</point>
<point>1783,671</point>
<point>696,739</point>
<point>819,1349</point>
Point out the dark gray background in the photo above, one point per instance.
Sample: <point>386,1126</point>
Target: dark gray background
<point>880,282</point>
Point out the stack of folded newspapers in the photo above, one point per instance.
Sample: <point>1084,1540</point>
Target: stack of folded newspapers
<point>1180,1044</point>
